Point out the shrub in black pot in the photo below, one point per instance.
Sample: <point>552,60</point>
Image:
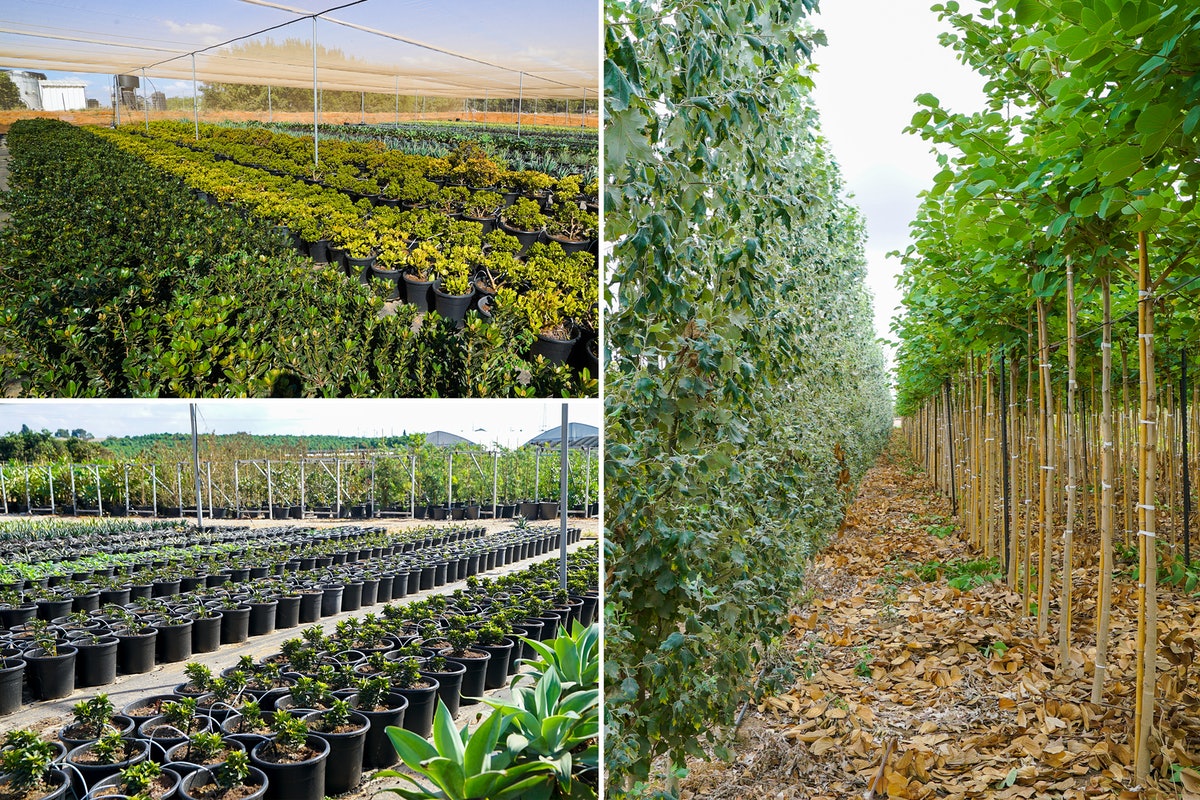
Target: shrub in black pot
<point>233,780</point>
<point>50,667</point>
<point>27,768</point>
<point>293,760</point>
<point>106,756</point>
<point>346,733</point>
<point>12,675</point>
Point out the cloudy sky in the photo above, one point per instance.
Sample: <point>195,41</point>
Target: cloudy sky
<point>882,54</point>
<point>509,423</point>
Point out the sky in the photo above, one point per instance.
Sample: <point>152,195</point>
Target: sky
<point>882,54</point>
<point>508,423</point>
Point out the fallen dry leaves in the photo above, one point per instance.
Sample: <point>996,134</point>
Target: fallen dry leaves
<point>913,689</point>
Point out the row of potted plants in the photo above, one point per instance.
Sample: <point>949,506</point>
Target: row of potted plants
<point>90,645</point>
<point>312,716</point>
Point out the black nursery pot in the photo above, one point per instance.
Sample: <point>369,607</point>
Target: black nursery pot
<point>287,612</point>
<point>422,703</point>
<point>12,673</point>
<point>449,684</point>
<point>331,599</point>
<point>302,781</point>
<point>352,596</point>
<point>378,751</point>
<point>174,641</point>
<point>474,679</point>
<point>235,624</point>
<point>262,617</point>
<point>51,677</point>
<point>135,651</point>
<point>206,634</point>
<point>343,770</point>
<point>417,292</point>
<point>96,664</point>
<point>497,666</point>
<point>310,606</point>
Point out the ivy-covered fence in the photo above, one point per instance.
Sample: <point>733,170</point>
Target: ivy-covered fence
<point>745,374</point>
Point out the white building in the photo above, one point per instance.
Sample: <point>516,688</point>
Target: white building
<point>27,85</point>
<point>63,95</point>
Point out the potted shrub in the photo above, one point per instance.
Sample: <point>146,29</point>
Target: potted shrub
<point>107,756</point>
<point>233,780</point>
<point>452,291</point>
<point>573,228</point>
<point>51,667</point>
<point>345,731</point>
<point>145,779</point>
<point>383,708</point>
<point>96,658</point>
<point>294,760</point>
<point>461,640</point>
<point>492,638</point>
<point>421,268</point>
<point>201,750</point>
<point>93,718</point>
<point>12,676</point>
<point>449,677</point>
<point>483,207</point>
<point>524,220</point>
<point>545,311</point>
<point>27,770</point>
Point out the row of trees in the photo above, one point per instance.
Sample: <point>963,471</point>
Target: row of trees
<point>1053,276</point>
<point>747,392</point>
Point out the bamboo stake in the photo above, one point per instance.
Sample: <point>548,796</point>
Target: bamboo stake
<point>1030,444</point>
<point>1010,461</point>
<point>1147,641</point>
<point>1104,601</point>
<point>1064,628</point>
<point>1045,484</point>
<point>1127,460</point>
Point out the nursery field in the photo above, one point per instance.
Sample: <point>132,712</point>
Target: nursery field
<point>281,674</point>
<point>241,262</point>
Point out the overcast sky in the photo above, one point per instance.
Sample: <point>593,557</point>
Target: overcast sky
<point>882,54</point>
<point>509,423</point>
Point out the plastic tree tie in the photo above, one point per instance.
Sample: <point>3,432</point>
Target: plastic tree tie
<point>1148,535</point>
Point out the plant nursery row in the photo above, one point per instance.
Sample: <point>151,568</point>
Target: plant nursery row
<point>139,266</point>
<point>304,722</point>
<point>554,150</point>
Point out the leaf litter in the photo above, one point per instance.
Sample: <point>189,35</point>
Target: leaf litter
<point>910,688</point>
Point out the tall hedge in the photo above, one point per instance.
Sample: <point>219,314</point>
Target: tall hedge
<point>743,362</point>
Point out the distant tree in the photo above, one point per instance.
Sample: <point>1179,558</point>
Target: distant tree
<point>80,433</point>
<point>10,95</point>
<point>62,433</point>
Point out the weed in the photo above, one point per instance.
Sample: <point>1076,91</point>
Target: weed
<point>863,668</point>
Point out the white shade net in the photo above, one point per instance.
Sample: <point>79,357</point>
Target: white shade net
<point>440,48</point>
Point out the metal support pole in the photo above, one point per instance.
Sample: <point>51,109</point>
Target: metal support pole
<point>450,481</point>
<point>195,99</point>
<point>562,506</point>
<point>270,493</point>
<point>128,504</point>
<point>372,514</point>
<point>208,473</point>
<point>99,499</point>
<point>520,96</point>
<point>338,464</point>
<point>74,505</point>
<point>412,488</point>
<point>154,487</point>
<point>116,108</point>
<point>179,487</point>
<point>196,470</point>
<point>316,158</point>
<point>237,492</point>
<point>302,488</point>
<point>537,475</point>
<point>495,481</point>
<point>583,116</point>
<point>587,482</point>
<point>145,103</point>
<point>50,474</point>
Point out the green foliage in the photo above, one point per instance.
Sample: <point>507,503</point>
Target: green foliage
<point>291,734</point>
<point>962,575</point>
<point>573,656</point>
<point>110,748</point>
<point>138,778</point>
<point>743,358</point>
<point>234,771</point>
<point>456,765</point>
<point>26,759</point>
<point>10,95</point>
<point>94,714</point>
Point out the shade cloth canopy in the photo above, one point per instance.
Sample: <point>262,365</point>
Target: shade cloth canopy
<point>440,48</point>
<point>579,436</point>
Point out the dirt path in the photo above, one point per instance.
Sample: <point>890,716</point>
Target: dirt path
<point>897,682</point>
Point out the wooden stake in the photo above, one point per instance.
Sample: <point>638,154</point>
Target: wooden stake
<point>1064,628</point>
<point>1104,601</point>
<point>1045,482</point>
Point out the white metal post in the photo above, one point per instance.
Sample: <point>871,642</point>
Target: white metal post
<point>28,502</point>
<point>587,482</point>
<point>208,472</point>
<point>116,104</point>
<point>412,488</point>
<point>562,506</point>
<point>179,486</point>
<point>196,472</point>
<point>99,498</point>
<point>520,96</point>
<point>316,158</point>
<point>537,475</point>
<point>195,99</point>
<point>74,505</point>
<point>302,488</point>
<point>145,103</point>
<point>372,498</point>
<point>128,505</point>
<point>450,482</point>
<point>50,473</point>
<point>338,464</point>
<point>495,480</point>
<point>237,492</point>
<point>154,487</point>
<point>270,489</point>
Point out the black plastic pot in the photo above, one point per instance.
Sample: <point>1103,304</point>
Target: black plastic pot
<point>262,617</point>
<point>96,664</point>
<point>414,581</point>
<point>171,776</point>
<point>497,667</point>
<point>449,684</point>
<point>135,651</point>
<point>319,251</point>
<point>451,306</point>
<point>177,758</point>
<point>422,703</point>
<point>370,591</point>
<point>310,606</point>
<point>378,751</point>
<point>235,624</point>
<point>91,774</point>
<point>389,276</point>
<point>474,679</point>
<point>302,781</point>
<point>343,770</point>
<point>122,723</point>
<point>287,612</point>
<point>203,777</point>
<point>174,641</point>
<point>12,673</point>
<point>12,617</point>
<point>331,600</point>
<point>57,780</point>
<point>417,292</point>
<point>57,607</point>
<point>50,677</point>
<point>206,634</point>
<point>352,596</point>
<point>548,510</point>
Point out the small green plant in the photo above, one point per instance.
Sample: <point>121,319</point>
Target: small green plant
<point>180,714</point>
<point>291,734</point>
<point>940,531</point>
<point>136,779</point>
<point>199,676</point>
<point>234,771</point>
<point>373,692</point>
<point>310,693</point>
<point>26,760</point>
<point>863,668</point>
<point>524,215</point>
<point>109,748</point>
<point>93,716</point>
<point>995,649</point>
